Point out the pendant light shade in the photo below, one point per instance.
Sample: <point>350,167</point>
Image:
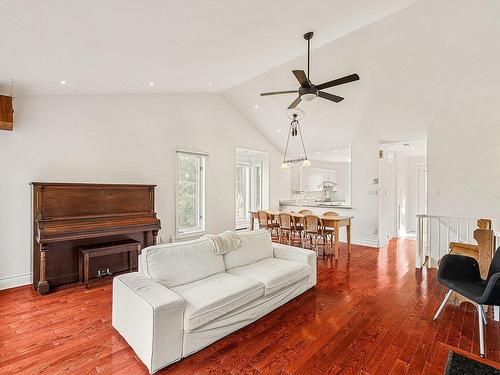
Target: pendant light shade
<point>294,131</point>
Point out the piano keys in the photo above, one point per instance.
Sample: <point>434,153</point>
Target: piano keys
<point>67,216</point>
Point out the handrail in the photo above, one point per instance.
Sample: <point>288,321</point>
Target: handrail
<point>434,234</point>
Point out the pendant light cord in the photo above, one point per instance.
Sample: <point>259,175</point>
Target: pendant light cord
<point>302,140</point>
<point>287,141</point>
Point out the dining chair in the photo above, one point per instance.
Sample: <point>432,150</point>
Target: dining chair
<point>460,274</point>
<point>313,229</point>
<point>305,212</point>
<point>292,227</point>
<point>266,221</point>
<point>285,222</point>
<point>329,231</point>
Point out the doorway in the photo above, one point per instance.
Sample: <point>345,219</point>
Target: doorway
<point>403,188</point>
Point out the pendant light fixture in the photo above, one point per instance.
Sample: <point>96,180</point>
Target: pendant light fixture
<point>294,131</point>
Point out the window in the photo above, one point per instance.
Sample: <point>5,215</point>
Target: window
<point>190,199</point>
<point>242,193</point>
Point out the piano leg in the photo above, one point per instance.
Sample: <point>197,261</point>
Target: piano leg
<point>43,284</point>
<point>155,234</point>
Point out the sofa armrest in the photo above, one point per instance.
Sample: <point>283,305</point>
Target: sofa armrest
<point>150,317</point>
<point>299,255</point>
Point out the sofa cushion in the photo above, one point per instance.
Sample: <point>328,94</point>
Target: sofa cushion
<point>275,273</point>
<point>214,296</point>
<point>181,262</point>
<point>255,245</point>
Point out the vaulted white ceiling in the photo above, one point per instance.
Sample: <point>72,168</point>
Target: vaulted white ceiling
<point>120,46</point>
<point>412,64</point>
<point>415,58</point>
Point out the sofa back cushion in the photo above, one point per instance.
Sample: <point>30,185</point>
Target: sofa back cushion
<point>255,245</point>
<point>181,262</point>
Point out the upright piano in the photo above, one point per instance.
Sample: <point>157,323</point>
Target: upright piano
<point>69,215</point>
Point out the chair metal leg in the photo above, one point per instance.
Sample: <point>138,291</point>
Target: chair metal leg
<point>441,308</point>
<point>481,330</point>
<point>484,316</point>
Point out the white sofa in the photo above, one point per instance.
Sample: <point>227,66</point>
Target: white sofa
<point>186,297</point>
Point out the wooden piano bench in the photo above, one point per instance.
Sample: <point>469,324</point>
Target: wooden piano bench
<point>86,253</point>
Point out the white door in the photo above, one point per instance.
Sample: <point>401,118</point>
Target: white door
<point>422,189</point>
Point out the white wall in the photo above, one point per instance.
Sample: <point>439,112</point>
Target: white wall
<point>463,160</point>
<point>364,200</point>
<point>120,139</point>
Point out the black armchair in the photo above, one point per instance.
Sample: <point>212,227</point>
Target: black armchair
<point>460,274</point>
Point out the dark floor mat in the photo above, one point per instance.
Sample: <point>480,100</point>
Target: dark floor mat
<point>460,365</point>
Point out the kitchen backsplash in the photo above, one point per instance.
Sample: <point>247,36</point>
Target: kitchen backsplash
<point>312,195</point>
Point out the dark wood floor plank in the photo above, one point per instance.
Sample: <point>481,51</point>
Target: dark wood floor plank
<point>371,313</point>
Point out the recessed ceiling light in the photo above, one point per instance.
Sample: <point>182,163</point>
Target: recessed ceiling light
<point>209,84</point>
<point>63,82</point>
<point>279,130</point>
<point>256,106</point>
<point>151,83</point>
<point>317,152</point>
<point>335,150</point>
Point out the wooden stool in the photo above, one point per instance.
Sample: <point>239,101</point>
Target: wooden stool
<point>86,253</point>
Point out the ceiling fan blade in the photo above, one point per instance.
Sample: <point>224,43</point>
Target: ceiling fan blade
<point>333,98</point>
<point>295,103</point>
<point>302,78</point>
<point>279,92</point>
<point>338,81</point>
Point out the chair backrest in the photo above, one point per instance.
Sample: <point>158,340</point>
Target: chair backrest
<point>330,213</point>
<point>311,223</point>
<point>305,212</point>
<point>263,218</point>
<point>495,265</point>
<point>494,294</point>
<point>285,220</point>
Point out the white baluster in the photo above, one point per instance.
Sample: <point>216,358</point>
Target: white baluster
<point>418,255</point>
<point>467,231</point>
<point>439,238</point>
<point>447,234</point>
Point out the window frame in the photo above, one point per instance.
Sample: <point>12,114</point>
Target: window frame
<point>240,223</point>
<point>202,172</point>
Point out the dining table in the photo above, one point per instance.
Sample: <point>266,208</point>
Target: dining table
<point>330,221</point>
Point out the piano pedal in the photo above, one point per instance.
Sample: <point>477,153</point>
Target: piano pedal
<point>104,273</point>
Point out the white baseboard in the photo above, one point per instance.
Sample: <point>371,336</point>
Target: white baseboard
<point>16,280</point>
<point>364,242</point>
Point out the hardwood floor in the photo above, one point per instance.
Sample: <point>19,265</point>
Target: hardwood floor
<point>371,313</point>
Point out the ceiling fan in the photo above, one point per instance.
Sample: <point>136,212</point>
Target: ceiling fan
<point>309,91</point>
